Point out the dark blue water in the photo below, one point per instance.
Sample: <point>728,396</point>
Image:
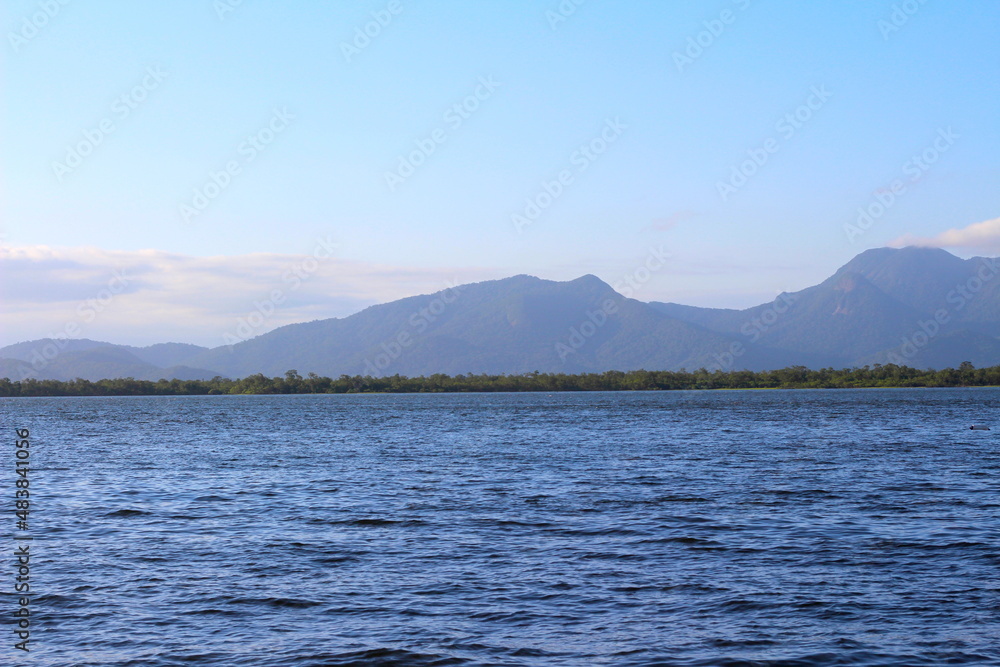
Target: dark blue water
<point>668,528</point>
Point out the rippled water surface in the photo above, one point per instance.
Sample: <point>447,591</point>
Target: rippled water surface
<point>657,528</point>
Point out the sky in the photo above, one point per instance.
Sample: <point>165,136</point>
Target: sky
<point>169,169</point>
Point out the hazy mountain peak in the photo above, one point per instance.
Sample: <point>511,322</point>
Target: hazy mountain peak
<point>590,280</point>
<point>900,259</point>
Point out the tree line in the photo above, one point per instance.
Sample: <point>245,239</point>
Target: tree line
<point>793,377</point>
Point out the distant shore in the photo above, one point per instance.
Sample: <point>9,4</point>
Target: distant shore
<point>795,377</point>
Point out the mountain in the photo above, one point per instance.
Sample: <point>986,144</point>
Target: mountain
<point>915,306</point>
<point>929,279</point>
<point>918,277</point>
<point>51,359</point>
<point>167,354</point>
<point>44,348</point>
<point>515,325</point>
<point>920,306</point>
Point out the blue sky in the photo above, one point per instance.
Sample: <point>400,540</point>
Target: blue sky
<point>834,101</point>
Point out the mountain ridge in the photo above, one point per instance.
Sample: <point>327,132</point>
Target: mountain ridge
<point>916,306</point>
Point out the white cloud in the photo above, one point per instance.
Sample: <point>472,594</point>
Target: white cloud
<point>981,236</point>
<point>149,296</point>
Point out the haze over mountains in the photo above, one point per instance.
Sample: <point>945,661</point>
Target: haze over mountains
<point>916,306</point>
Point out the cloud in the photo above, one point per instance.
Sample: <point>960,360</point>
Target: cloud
<point>983,236</point>
<point>148,296</point>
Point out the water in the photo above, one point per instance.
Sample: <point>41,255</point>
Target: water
<point>658,528</point>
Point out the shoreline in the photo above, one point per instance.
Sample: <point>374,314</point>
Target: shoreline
<point>878,377</point>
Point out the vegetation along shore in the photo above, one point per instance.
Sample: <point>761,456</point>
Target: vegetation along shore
<point>795,377</point>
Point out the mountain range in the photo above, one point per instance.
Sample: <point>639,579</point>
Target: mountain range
<point>920,307</point>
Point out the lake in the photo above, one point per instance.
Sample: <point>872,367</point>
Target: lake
<point>800,527</point>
